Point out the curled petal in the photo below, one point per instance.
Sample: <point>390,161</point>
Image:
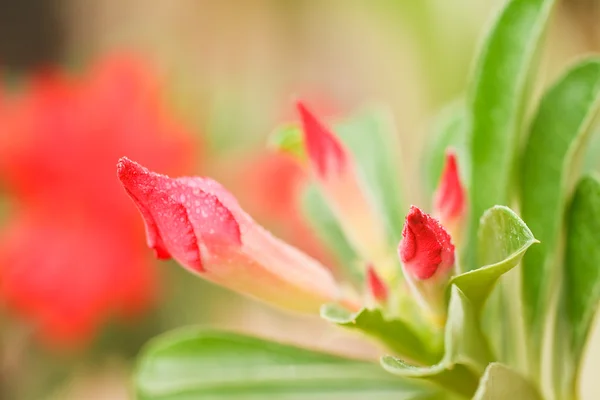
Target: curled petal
<point>201,225</point>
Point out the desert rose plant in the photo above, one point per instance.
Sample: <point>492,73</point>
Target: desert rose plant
<point>425,282</point>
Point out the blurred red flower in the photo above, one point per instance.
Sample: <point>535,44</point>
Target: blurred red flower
<point>71,251</point>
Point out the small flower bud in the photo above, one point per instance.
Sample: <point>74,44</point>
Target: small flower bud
<point>450,198</point>
<point>336,173</point>
<point>377,289</point>
<point>427,256</point>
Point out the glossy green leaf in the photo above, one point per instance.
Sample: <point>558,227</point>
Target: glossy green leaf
<point>500,383</point>
<point>496,101</point>
<point>551,159</point>
<point>370,137</point>
<point>200,364</point>
<point>326,227</point>
<point>580,292</point>
<point>395,334</point>
<point>466,353</point>
<point>503,239</point>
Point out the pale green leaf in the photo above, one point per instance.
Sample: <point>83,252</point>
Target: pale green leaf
<point>327,228</point>
<point>466,353</point>
<point>395,334</point>
<point>501,383</point>
<point>371,138</point>
<point>503,239</point>
<point>580,292</point>
<point>551,160</point>
<point>209,365</point>
<point>496,101</point>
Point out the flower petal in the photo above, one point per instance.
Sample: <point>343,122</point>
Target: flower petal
<point>176,215</point>
<point>203,227</point>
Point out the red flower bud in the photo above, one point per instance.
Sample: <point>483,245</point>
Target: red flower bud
<point>201,225</point>
<point>426,247</point>
<point>450,198</point>
<point>326,152</point>
<point>377,288</point>
<point>336,173</point>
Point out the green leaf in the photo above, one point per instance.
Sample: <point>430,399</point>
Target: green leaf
<point>500,383</point>
<point>496,102</point>
<point>326,226</point>
<point>466,352</point>
<point>395,334</point>
<point>551,159</point>
<point>449,130</point>
<point>580,292</point>
<point>591,162</point>
<point>288,139</point>
<point>200,364</point>
<point>371,138</point>
<point>503,239</point>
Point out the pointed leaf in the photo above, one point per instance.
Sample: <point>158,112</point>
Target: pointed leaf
<point>580,292</point>
<point>371,138</point>
<point>395,334</point>
<point>500,382</point>
<point>200,364</point>
<point>326,227</point>
<point>551,159</point>
<point>495,103</point>
<point>503,239</point>
<point>466,352</point>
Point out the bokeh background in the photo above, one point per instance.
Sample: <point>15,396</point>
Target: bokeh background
<point>195,87</point>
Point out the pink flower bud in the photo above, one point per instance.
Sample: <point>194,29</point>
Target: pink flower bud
<point>427,256</point>
<point>450,198</point>
<point>426,247</point>
<point>198,223</point>
<point>376,287</point>
<point>325,151</point>
<point>335,171</point>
